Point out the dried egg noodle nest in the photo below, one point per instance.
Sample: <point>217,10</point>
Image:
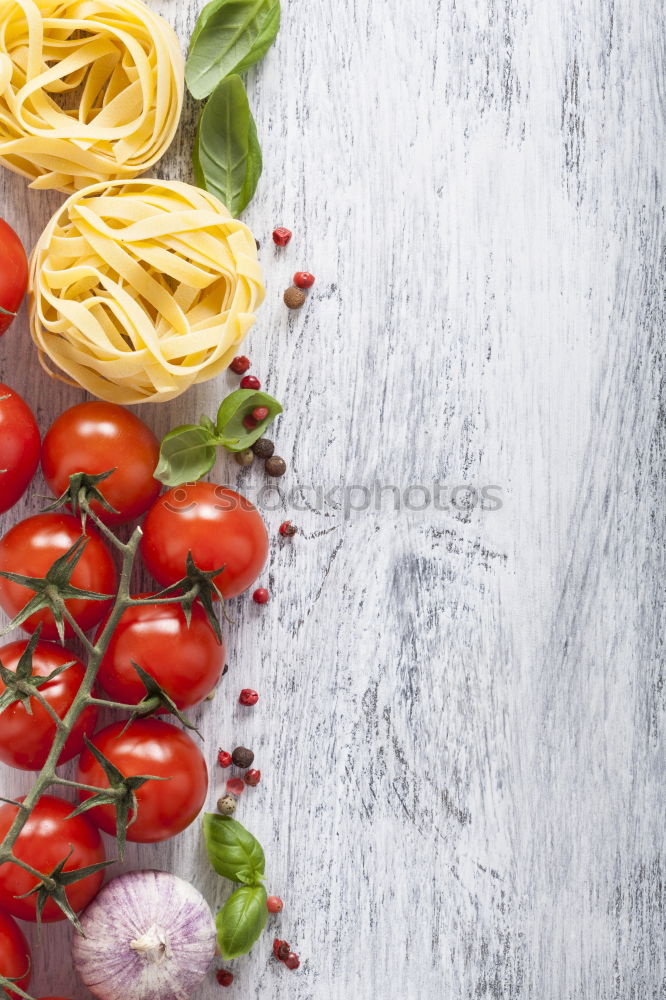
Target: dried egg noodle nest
<point>142,288</point>
<point>89,90</point>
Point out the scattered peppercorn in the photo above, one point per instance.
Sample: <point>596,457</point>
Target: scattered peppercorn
<point>235,786</point>
<point>227,805</point>
<point>263,448</point>
<point>274,904</point>
<point>240,364</point>
<point>249,422</point>
<point>250,382</point>
<point>260,413</point>
<point>303,279</point>
<point>281,236</point>
<point>252,778</point>
<point>292,961</point>
<point>294,298</point>
<point>242,757</point>
<point>224,977</point>
<point>248,697</point>
<point>245,457</point>
<point>281,949</point>
<point>226,669</point>
<point>257,244</point>
<point>224,758</point>
<point>287,529</point>
<point>261,596</point>
<point>276,466</point>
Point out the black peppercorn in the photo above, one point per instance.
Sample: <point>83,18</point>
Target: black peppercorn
<point>276,466</point>
<point>263,448</point>
<point>242,757</point>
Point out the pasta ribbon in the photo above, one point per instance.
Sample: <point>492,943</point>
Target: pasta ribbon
<point>90,90</point>
<point>140,289</point>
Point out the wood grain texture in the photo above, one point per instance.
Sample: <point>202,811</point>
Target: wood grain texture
<point>461,728</point>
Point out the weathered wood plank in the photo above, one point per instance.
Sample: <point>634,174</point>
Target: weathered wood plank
<point>461,730</point>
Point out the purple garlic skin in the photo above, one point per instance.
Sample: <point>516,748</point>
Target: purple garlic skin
<point>149,935</point>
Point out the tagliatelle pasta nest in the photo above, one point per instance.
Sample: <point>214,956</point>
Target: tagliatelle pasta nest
<point>90,90</point>
<point>139,289</point>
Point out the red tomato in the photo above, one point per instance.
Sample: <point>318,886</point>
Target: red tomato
<point>26,739</point>
<point>219,527</point>
<point>32,546</point>
<point>13,274</point>
<point>95,437</point>
<point>19,445</point>
<point>14,953</point>
<point>186,661</point>
<point>149,746</point>
<point>45,840</point>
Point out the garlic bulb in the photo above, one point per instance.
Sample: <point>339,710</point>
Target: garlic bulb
<point>148,936</point>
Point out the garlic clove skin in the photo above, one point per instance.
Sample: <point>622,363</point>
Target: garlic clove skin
<point>149,935</point>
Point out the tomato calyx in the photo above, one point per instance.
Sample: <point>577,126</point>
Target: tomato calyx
<point>51,591</point>
<point>198,585</point>
<point>53,886</point>
<point>23,684</point>
<point>121,794</point>
<point>81,492</point>
<point>156,699</point>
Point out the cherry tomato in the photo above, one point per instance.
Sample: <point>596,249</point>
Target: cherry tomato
<point>19,445</point>
<point>32,546</point>
<point>14,953</point>
<point>46,840</point>
<point>185,660</point>
<point>218,526</point>
<point>96,437</point>
<point>26,739</point>
<point>149,746</point>
<point>13,274</point>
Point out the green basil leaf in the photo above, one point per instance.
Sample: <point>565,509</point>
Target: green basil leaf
<point>187,453</point>
<point>241,920</point>
<point>227,156</point>
<point>229,37</point>
<point>232,434</point>
<point>232,850</point>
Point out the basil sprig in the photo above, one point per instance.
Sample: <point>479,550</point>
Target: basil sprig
<point>229,37</point>
<point>235,854</point>
<point>227,155</point>
<point>188,452</point>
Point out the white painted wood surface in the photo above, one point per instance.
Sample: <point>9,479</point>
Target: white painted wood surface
<point>461,725</point>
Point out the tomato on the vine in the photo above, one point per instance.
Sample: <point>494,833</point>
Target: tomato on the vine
<point>32,546</point>
<point>13,274</point>
<point>19,446</point>
<point>47,838</point>
<point>217,525</point>
<point>14,953</point>
<point>156,748</point>
<point>95,437</point>
<point>26,736</point>
<point>185,660</point>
